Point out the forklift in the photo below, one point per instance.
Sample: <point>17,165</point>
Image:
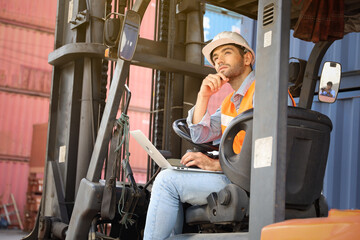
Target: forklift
<point>285,148</point>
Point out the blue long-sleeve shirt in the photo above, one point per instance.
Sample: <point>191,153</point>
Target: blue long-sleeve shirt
<point>209,128</point>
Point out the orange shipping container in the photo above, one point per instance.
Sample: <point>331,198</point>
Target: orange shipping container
<point>39,15</point>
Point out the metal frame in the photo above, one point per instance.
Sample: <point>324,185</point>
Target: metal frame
<point>270,118</point>
<point>86,207</point>
<point>107,122</point>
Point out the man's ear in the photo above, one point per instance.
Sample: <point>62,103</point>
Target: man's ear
<point>248,58</point>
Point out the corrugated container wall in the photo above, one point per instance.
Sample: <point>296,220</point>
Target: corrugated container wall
<point>342,177</point>
<point>40,14</point>
<point>26,39</point>
<point>14,178</point>
<point>19,112</point>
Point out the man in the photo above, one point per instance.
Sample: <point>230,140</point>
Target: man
<point>233,59</point>
<point>328,91</point>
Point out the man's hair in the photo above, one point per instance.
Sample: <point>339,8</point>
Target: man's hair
<point>330,83</point>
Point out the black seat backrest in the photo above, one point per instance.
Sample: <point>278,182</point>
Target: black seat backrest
<point>308,139</point>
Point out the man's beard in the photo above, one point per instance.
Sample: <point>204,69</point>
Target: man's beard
<point>233,72</point>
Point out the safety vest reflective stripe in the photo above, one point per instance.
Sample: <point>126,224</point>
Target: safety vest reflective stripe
<point>225,120</point>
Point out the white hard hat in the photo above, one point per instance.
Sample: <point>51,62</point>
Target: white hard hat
<point>226,38</point>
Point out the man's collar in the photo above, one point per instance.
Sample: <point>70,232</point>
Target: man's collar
<point>246,84</point>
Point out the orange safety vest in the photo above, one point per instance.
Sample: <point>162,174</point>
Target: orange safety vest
<point>228,113</point>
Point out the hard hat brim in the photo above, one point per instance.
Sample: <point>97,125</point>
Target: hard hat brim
<point>207,50</point>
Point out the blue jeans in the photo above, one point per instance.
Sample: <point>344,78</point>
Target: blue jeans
<point>172,188</point>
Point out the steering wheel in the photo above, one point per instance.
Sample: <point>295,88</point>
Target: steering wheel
<point>182,130</point>
<point>237,167</point>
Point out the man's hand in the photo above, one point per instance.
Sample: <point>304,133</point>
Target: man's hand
<point>200,160</point>
<point>211,84</point>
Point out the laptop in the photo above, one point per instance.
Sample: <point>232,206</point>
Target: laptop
<point>175,164</point>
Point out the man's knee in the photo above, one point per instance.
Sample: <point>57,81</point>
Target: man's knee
<point>166,184</point>
<point>165,176</point>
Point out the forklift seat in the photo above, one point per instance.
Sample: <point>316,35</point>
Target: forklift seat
<point>308,139</point>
